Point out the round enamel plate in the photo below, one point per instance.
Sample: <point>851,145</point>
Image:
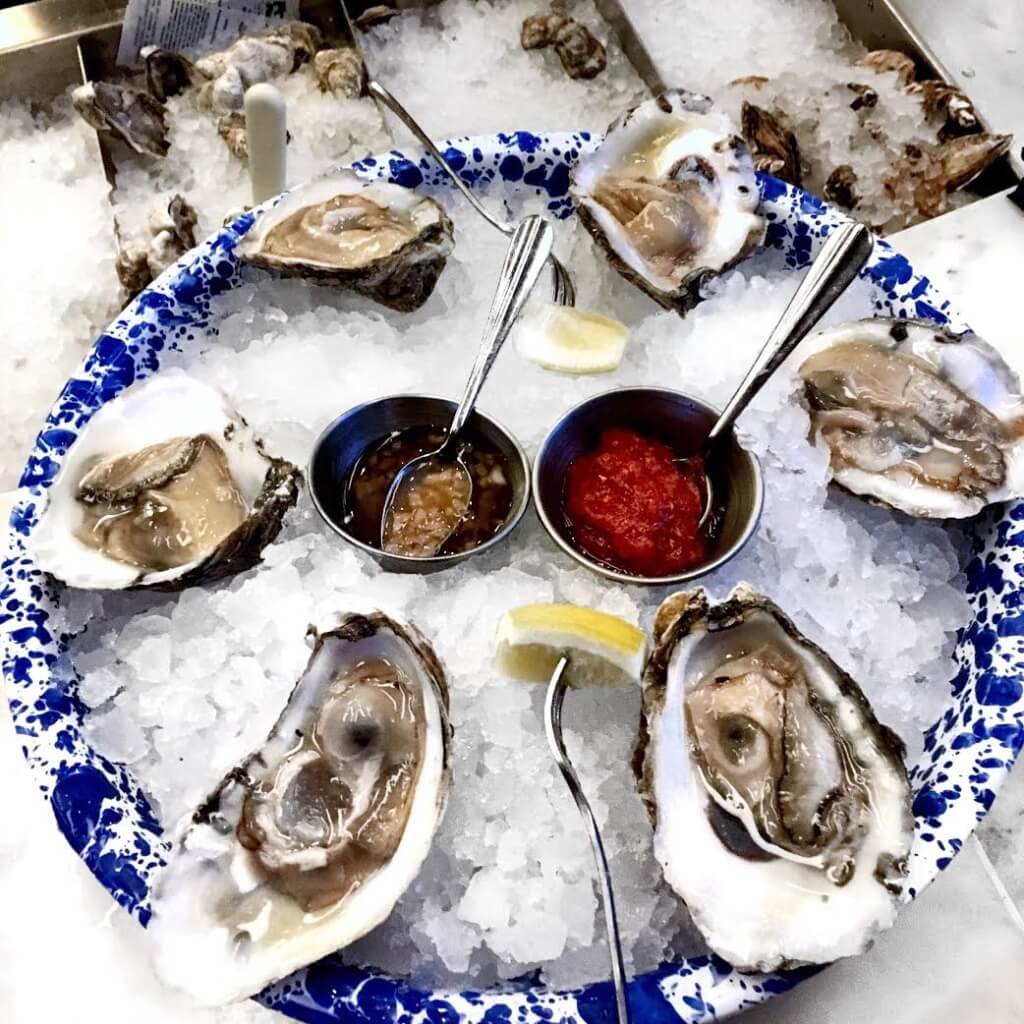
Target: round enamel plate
<point>107,819</point>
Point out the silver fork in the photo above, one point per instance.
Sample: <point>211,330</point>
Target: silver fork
<point>563,289</point>
<point>553,728</point>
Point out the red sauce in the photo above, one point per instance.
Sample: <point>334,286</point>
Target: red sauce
<point>634,505</point>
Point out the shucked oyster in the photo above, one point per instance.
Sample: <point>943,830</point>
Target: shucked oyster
<point>781,805</point>
<point>381,240</point>
<point>671,195</point>
<point>921,420</point>
<point>165,487</point>
<point>309,843</point>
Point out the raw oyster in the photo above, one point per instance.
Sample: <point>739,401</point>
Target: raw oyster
<point>781,805</point>
<point>129,114</point>
<point>671,195</point>
<point>165,487</point>
<point>309,843</point>
<point>381,240</point>
<point>921,420</point>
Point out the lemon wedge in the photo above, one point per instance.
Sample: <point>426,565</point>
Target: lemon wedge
<point>603,650</point>
<point>571,340</point>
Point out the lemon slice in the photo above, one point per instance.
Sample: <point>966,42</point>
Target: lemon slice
<point>603,650</point>
<point>570,340</point>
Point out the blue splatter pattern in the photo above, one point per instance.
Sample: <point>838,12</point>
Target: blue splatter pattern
<point>107,819</point>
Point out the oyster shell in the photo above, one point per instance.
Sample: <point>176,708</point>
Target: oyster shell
<point>165,487</point>
<point>671,195</point>
<point>773,144</point>
<point>310,841</point>
<point>341,71</point>
<point>167,73</point>
<point>781,806</point>
<point>582,54</point>
<point>254,58</point>
<point>129,114</point>
<point>381,240</point>
<point>924,421</point>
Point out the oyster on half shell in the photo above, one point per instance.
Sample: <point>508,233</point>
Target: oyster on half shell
<point>671,196</point>
<point>781,805</point>
<point>927,422</point>
<point>165,487</point>
<point>309,842</point>
<point>381,240</point>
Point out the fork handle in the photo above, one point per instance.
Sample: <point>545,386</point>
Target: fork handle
<point>375,89</point>
<point>556,744</point>
<point>527,253</point>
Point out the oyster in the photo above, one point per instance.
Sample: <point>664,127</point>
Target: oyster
<point>781,806</point>
<point>251,59</point>
<point>129,114</point>
<point>165,487</point>
<point>885,61</point>
<point>232,129</point>
<point>921,420</point>
<point>582,54</point>
<point>773,144</point>
<point>671,195</point>
<point>381,240</point>
<point>171,234</point>
<point>341,71</point>
<point>309,842</point>
<point>167,73</point>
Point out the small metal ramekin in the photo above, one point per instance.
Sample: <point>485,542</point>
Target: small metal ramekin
<point>340,445</point>
<point>678,420</point>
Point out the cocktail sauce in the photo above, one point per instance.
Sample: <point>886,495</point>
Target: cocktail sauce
<point>635,505</point>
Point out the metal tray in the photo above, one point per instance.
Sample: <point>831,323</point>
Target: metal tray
<point>39,45</point>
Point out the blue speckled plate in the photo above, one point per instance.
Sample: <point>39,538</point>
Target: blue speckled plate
<point>107,819</point>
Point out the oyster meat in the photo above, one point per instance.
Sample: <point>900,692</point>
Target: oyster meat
<point>309,843</point>
<point>781,806</point>
<point>924,421</point>
<point>671,196</point>
<point>165,487</point>
<point>381,240</point>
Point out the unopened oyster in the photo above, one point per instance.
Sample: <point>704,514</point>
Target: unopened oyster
<point>381,240</point>
<point>254,58</point>
<point>924,421</point>
<point>781,805</point>
<point>340,71</point>
<point>671,195</point>
<point>129,114</point>
<point>165,487</point>
<point>309,842</point>
<point>172,234</point>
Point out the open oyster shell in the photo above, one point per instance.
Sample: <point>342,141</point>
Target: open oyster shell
<point>781,805</point>
<point>927,422</point>
<point>165,487</point>
<point>309,842</point>
<point>128,114</point>
<point>381,240</point>
<point>671,196</point>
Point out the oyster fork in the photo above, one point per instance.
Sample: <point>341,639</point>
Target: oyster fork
<point>563,289</point>
<point>553,729</point>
